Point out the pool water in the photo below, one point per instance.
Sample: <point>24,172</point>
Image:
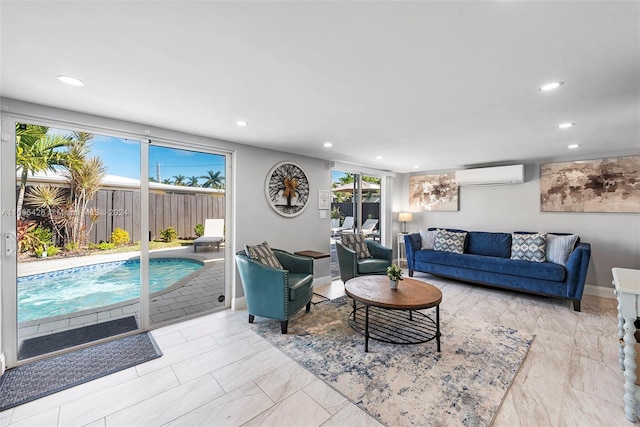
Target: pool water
<point>94,286</point>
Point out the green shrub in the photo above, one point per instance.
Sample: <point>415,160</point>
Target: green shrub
<point>72,246</point>
<point>119,237</point>
<point>103,246</point>
<point>199,230</point>
<point>39,251</point>
<point>53,250</point>
<point>169,234</point>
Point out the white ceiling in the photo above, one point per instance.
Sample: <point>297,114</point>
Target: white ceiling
<point>437,85</point>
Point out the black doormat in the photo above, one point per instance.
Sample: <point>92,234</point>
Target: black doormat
<point>60,340</point>
<point>38,379</point>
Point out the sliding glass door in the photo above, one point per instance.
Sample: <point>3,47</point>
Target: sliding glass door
<point>105,235</point>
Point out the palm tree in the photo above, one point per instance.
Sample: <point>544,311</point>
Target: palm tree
<point>193,181</point>
<point>179,179</point>
<point>213,180</point>
<point>166,181</point>
<point>37,152</point>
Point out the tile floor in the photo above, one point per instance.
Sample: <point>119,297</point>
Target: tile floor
<point>215,371</point>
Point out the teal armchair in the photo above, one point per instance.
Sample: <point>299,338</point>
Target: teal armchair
<point>275,293</point>
<point>351,266</point>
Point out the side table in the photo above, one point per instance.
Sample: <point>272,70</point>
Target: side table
<point>316,255</point>
<point>402,257</point>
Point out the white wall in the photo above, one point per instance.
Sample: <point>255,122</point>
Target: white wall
<point>614,237</point>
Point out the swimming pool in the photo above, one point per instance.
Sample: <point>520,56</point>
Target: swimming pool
<point>94,286</point>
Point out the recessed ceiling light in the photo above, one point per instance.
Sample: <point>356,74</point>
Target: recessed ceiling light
<point>70,80</point>
<point>328,144</point>
<point>242,123</point>
<point>565,125</point>
<point>572,146</point>
<point>416,166</point>
<point>379,157</point>
<point>551,86</point>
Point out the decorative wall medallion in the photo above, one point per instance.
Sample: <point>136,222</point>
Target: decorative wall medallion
<point>287,189</point>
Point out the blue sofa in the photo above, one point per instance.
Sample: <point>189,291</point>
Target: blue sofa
<point>486,260</point>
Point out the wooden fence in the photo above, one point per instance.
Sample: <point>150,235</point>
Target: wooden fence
<point>369,209</point>
<point>121,208</point>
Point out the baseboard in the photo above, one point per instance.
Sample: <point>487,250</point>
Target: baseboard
<point>599,291</point>
<point>239,303</point>
<point>321,281</point>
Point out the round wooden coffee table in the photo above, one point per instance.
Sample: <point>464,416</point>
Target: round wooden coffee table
<point>390,314</point>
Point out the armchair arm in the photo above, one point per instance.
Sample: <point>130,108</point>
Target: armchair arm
<point>380,252</point>
<point>347,260</point>
<point>294,263</point>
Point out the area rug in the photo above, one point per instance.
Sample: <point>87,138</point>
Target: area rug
<point>38,379</point>
<point>400,385</point>
<point>66,339</point>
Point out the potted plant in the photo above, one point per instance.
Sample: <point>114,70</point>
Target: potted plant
<point>395,274</point>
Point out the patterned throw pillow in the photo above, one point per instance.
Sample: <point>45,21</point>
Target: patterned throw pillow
<point>356,242</point>
<point>263,254</point>
<point>559,248</point>
<point>529,247</point>
<point>449,241</point>
<point>428,238</point>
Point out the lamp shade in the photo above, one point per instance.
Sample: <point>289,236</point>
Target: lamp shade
<point>405,216</point>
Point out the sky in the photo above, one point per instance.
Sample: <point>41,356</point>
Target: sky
<point>122,158</point>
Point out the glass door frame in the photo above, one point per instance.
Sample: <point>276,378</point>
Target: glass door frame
<point>8,261</point>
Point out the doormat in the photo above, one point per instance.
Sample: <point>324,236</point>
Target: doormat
<point>39,379</point>
<point>60,340</point>
<point>464,385</point>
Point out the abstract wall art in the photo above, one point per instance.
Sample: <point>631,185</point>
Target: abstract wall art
<point>603,185</point>
<point>437,192</point>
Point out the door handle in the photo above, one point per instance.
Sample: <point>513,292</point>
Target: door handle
<point>9,243</point>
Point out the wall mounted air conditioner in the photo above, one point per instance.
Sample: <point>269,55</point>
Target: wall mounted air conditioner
<point>498,175</point>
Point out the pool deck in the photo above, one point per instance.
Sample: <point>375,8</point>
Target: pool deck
<point>198,293</point>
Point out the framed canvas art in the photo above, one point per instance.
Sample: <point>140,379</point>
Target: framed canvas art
<point>287,189</point>
<point>437,192</point>
<point>603,185</point>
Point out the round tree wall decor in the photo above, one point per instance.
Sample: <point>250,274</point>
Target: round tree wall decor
<point>287,189</point>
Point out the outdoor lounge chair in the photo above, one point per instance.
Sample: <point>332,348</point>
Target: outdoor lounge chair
<point>347,225</point>
<point>368,227</point>
<point>213,234</point>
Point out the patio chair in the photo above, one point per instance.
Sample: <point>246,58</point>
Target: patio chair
<point>368,227</point>
<point>213,234</point>
<point>346,225</point>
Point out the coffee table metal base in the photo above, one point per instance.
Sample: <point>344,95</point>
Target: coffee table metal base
<point>401,327</point>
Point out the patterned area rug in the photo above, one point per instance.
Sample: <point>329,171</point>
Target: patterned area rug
<point>38,379</point>
<point>400,385</point>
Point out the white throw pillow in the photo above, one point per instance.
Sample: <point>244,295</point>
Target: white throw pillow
<point>428,238</point>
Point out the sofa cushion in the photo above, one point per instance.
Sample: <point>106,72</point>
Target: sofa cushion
<point>263,254</point>
<point>357,243</point>
<point>299,285</point>
<point>448,241</point>
<point>543,270</point>
<point>529,247</point>
<point>559,247</point>
<point>489,244</point>
<point>428,238</point>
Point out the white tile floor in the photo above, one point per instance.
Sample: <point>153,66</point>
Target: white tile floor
<point>215,371</point>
